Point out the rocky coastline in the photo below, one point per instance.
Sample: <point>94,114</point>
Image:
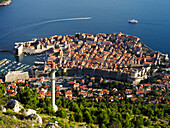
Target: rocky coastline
<point>5,3</point>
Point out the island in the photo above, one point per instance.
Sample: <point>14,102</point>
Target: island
<point>5,2</point>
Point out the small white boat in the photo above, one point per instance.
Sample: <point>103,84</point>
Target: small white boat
<point>133,21</point>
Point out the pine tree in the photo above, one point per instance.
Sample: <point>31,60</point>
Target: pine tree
<point>87,117</point>
<point>71,118</point>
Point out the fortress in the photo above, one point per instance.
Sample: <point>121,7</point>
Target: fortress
<point>116,56</point>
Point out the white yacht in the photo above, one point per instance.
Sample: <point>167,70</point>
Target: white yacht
<point>133,21</point>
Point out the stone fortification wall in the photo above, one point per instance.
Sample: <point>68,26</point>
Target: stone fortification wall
<point>98,73</point>
<point>15,75</point>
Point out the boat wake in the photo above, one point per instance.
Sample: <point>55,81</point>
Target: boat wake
<point>59,20</point>
<point>45,22</point>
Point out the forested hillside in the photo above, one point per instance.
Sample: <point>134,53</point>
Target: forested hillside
<point>120,113</point>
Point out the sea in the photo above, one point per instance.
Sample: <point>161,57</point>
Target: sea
<point>23,20</point>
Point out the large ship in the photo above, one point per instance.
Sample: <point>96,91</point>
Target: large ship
<point>133,21</point>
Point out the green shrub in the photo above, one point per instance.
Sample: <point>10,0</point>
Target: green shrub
<point>1,123</point>
<point>60,123</point>
<point>66,125</point>
<point>4,119</point>
<point>15,121</point>
<point>22,110</point>
<point>72,126</point>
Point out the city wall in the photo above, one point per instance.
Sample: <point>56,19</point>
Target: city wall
<point>98,73</point>
<point>15,75</point>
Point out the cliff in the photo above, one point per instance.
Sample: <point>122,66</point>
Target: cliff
<point>4,3</point>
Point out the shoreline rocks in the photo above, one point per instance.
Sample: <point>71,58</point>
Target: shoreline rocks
<point>5,3</point>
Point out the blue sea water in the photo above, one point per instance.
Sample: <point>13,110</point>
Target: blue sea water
<point>23,20</point>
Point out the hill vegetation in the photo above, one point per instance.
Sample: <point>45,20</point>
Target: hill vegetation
<point>120,113</point>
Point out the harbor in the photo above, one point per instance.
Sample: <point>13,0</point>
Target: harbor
<point>8,65</point>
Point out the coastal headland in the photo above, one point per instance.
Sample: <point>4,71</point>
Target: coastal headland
<point>5,2</point>
<point>116,55</point>
<point>100,68</point>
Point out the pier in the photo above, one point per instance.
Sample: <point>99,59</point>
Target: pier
<point>10,51</point>
<point>17,51</point>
